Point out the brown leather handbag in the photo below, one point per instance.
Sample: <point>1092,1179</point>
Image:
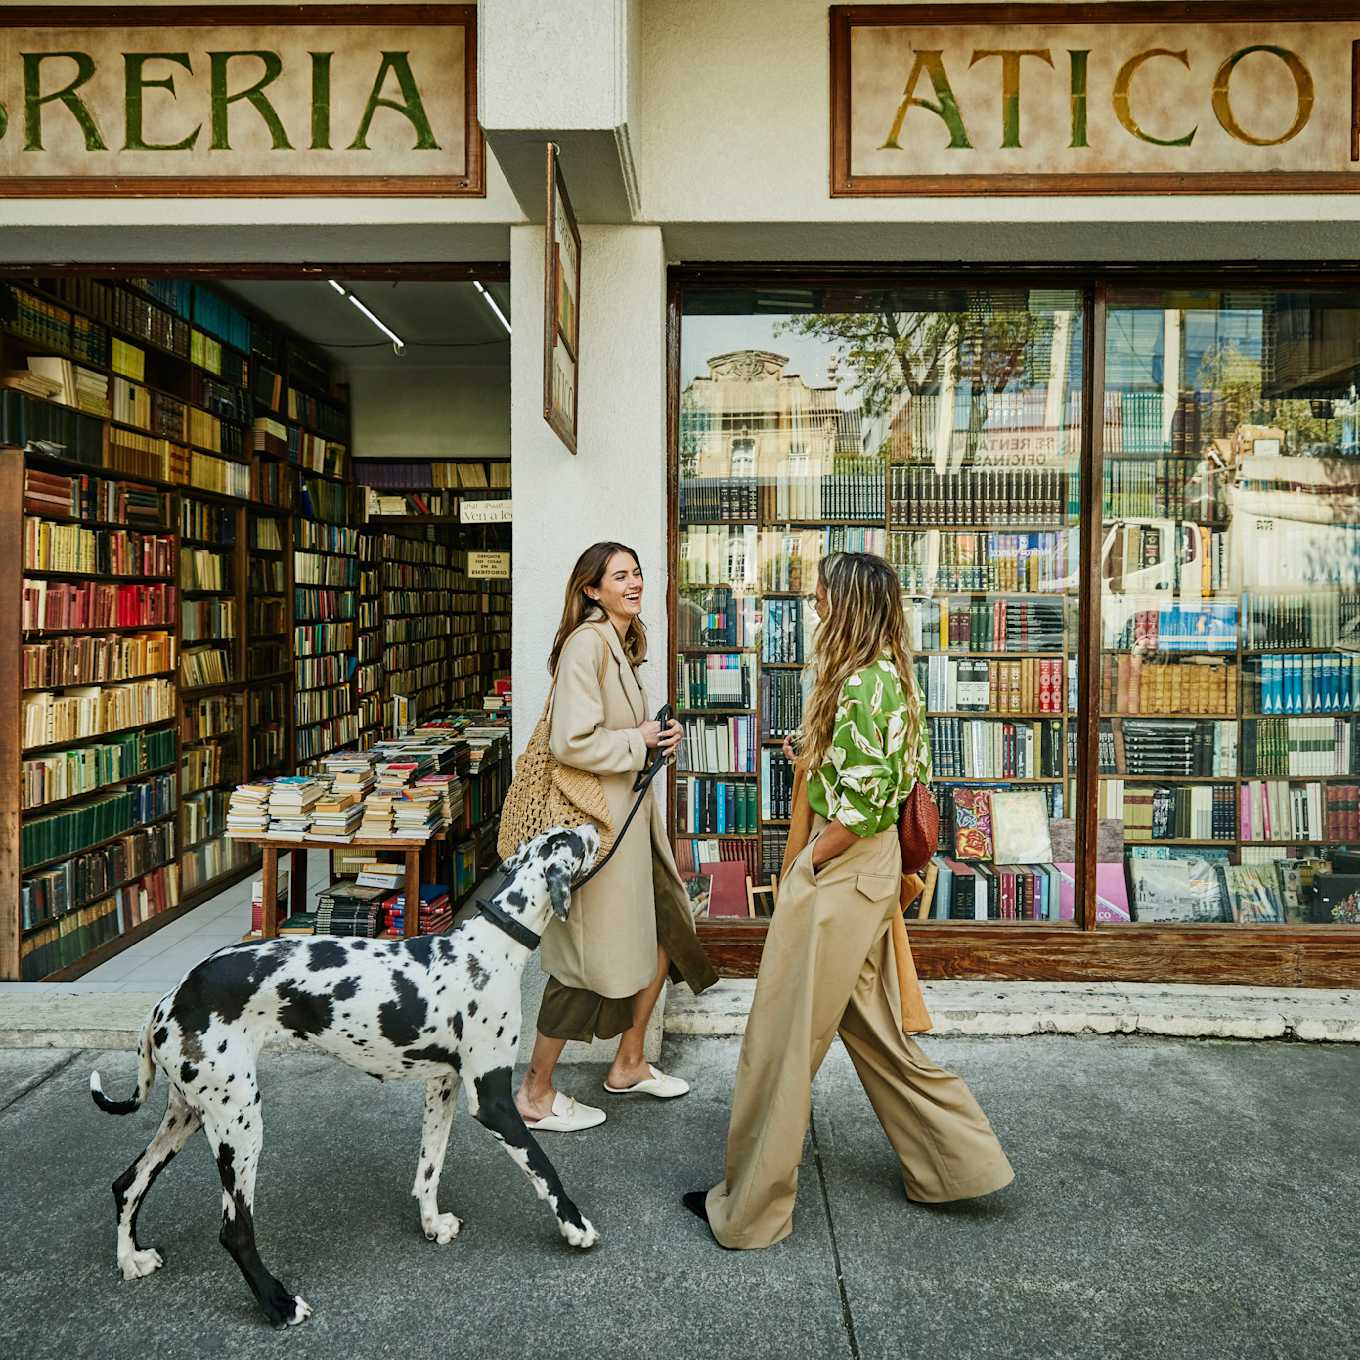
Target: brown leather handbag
<point>918,828</point>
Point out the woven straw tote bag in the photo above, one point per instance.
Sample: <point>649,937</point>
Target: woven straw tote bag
<point>546,794</point>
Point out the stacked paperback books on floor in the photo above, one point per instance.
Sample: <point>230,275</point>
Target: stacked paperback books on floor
<point>436,911</point>
<point>348,908</point>
<point>257,902</point>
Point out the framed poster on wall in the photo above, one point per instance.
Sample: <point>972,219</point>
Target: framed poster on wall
<point>561,307</point>
<point>256,100</point>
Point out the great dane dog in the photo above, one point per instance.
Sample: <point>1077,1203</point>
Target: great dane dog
<point>433,1008</point>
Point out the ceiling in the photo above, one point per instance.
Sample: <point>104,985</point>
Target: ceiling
<point>446,324</point>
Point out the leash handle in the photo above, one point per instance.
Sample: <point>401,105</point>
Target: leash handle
<point>665,716</point>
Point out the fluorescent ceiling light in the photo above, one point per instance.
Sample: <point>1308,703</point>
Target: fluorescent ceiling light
<point>398,343</point>
<point>491,302</point>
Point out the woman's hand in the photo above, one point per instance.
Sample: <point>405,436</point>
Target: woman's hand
<point>791,750</point>
<point>667,738</point>
<point>833,840</point>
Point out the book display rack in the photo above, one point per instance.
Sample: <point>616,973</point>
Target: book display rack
<point>150,458</point>
<point>1126,532</point>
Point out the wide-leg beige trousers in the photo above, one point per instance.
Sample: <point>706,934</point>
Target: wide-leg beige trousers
<point>828,966</point>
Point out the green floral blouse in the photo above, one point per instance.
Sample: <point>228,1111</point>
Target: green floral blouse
<point>869,769</point>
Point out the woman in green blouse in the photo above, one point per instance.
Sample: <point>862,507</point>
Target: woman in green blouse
<point>828,966</point>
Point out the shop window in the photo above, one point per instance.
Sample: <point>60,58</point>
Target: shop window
<point>940,429</point>
<point>1230,607</point>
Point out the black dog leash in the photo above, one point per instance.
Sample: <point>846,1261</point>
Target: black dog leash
<point>521,933</point>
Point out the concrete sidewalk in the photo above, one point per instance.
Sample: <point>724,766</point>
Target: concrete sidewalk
<point>1173,1199</point>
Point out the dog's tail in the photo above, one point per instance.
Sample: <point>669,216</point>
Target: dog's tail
<point>146,1077</point>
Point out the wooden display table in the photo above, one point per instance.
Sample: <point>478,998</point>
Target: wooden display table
<point>419,856</point>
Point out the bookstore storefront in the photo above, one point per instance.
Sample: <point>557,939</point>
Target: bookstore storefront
<point>1062,319</point>
<point>1120,495</point>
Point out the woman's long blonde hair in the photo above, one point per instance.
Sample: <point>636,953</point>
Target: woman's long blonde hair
<point>577,606</point>
<point>864,622</point>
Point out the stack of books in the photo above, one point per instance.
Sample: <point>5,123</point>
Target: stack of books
<point>417,816</point>
<point>347,908</point>
<point>377,818</point>
<point>450,789</point>
<point>248,810</point>
<point>350,772</point>
<point>436,911</point>
<point>336,817</point>
<point>291,800</point>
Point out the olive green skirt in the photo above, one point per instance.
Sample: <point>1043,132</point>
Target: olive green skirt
<point>578,1013</point>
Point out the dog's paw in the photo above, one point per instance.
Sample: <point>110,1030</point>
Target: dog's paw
<point>302,1310</point>
<point>442,1228</point>
<point>583,1237</point>
<point>138,1264</point>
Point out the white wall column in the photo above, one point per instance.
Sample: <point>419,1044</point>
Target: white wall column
<point>615,487</point>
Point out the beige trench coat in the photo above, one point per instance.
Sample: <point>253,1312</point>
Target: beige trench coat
<point>608,942</point>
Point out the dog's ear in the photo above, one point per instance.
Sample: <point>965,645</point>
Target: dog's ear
<point>559,887</point>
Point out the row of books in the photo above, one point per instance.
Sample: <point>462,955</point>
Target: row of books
<point>67,774</point>
<point>202,619</point>
<point>781,703</point>
<point>719,807</point>
<point>76,550</point>
<point>1168,746</point>
<point>763,558</point>
<point>1315,618</point>
<point>29,423</point>
<point>1131,684</point>
<point>325,569</point>
<point>1291,682</point>
<point>715,617</point>
<point>203,666</point>
<point>931,561</point>
<point>78,881</point>
<point>719,745</point>
<point>1277,810</point>
<point>1209,627</point>
<point>91,497</point>
<point>1181,812</point>
<point>50,325</point>
<point>71,830</point>
<point>1287,746</point>
<point>434,474</point>
<point>1165,555</point>
<point>60,943</point>
<point>990,498</point>
<point>996,892</point>
<point>1164,488</point>
<point>207,521</point>
<point>986,625</point>
<point>47,718</point>
<point>203,569</point>
<point>801,491</point>
<point>786,634</point>
<point>972,748</point>
<point>88,659</point>
<point>719,680</point>
<point>1035,685</point>
<point>776,785</point>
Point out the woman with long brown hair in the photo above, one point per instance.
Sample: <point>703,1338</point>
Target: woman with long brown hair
<point>631,924</point>
<point>828,965</point>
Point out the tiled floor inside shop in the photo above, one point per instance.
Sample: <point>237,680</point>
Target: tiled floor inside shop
<point>158,961</point>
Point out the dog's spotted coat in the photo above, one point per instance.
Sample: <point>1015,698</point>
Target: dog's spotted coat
<point>437,1009</point>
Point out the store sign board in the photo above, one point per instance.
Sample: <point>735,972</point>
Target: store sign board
<point>344,99</point>
<point>561,307</point>
<point>489,565</point>
<point>1108,98</point>
<point>486,512</point>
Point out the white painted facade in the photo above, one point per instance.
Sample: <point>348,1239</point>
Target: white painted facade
<point>689,131</point>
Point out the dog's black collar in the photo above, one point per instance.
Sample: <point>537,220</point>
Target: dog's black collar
<point>516,930</point>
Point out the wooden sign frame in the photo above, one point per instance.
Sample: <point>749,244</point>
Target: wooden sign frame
<point>844,19</point>
<point>563,423</point>
<point>471,184</point>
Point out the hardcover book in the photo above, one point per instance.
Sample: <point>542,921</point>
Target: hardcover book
<point>972,824</point>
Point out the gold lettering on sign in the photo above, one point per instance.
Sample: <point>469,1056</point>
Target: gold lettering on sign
<point>1124,80</point>
<point>1078,88</point>
<point>1303,94</point>
<point>932,63</point>
<point>1010,84</point>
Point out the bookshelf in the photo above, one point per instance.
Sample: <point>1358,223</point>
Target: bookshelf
<point>773,475</point>
<point>1150,486</point>
<point>420,501</point>
<point>153,536</point>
